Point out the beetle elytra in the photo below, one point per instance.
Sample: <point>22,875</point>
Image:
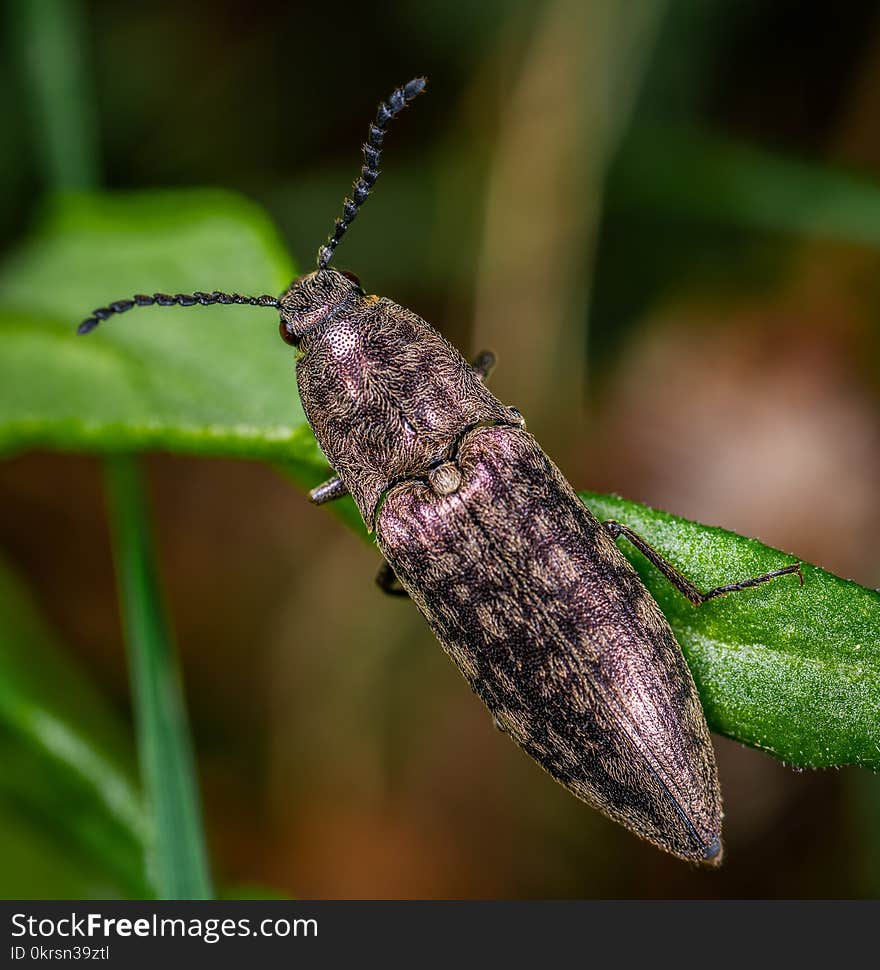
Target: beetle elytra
<point>524,588</point>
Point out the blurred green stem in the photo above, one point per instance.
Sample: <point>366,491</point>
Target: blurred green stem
<point>48,36</point>
<point>178,860</point>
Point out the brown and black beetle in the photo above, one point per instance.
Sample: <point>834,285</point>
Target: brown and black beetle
<point>523,586</point>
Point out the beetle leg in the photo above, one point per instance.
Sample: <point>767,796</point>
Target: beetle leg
<point>331,489</point>
<point>483,364</point>
<point>388,582</point>
<point>680,581</point>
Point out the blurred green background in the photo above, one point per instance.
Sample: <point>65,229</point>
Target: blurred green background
<point>665,219</point>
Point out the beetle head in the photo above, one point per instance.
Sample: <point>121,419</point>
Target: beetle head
<point>314,298</point>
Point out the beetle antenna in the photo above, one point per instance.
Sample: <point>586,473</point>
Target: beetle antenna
<point>389,109</point>
<point>179,299</point>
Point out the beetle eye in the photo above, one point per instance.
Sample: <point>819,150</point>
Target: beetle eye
<point>287,334</point>
<point>352,278</point>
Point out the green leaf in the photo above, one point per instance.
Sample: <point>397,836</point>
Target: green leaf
<point>39,864</point>
<point>792,670</point>
<point>206,380</point>
<point>177,854</point>
<point>67,761</point>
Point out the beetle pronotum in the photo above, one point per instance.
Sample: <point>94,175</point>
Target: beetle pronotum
<point>523,586</point>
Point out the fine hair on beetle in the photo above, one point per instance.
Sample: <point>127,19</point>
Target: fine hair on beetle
<point>526,590</point>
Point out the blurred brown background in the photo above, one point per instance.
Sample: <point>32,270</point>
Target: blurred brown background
<point>708,350</point>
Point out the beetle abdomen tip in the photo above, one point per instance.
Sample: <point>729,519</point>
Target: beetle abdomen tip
<point>714,852</point>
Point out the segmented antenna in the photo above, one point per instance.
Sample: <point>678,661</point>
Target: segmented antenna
<point>179,299</point>
<point>389,109</point>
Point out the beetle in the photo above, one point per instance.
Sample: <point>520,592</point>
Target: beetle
<point>524,588</point>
